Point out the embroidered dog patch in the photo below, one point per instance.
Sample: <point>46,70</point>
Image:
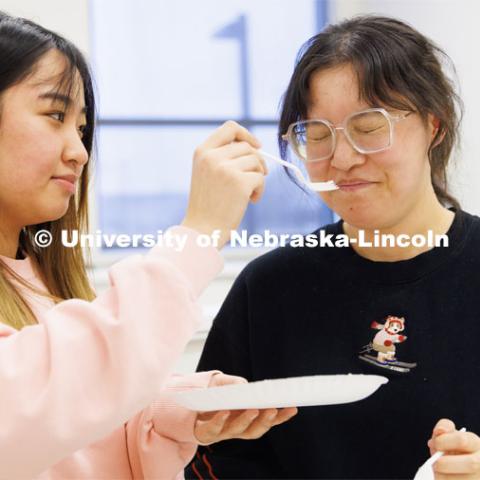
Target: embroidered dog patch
<point>382,349</point>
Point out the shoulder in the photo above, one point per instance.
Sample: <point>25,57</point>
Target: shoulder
<point>469,236</point>
<point>469,229</point>
<point>6,330</point>
<point>473,221</point>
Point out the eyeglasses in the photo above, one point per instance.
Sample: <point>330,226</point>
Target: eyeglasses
<point>368,131</point>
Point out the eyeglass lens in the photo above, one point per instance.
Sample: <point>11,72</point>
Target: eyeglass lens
<point>367,131</point>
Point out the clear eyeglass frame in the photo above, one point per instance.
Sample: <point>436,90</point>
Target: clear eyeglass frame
<point>392,119</point>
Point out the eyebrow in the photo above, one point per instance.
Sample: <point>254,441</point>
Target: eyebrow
<point>59,97</point>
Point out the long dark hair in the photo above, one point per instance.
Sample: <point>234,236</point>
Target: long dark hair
<point>396,66</point>
<point>22,44</point>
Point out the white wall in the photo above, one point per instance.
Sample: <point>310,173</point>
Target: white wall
<point>69,18</point>
<point>453,25</point>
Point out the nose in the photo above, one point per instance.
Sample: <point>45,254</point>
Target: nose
<point>345,156</point>
<point>74,150</point>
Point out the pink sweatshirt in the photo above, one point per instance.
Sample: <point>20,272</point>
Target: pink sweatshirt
<point>85,394</point>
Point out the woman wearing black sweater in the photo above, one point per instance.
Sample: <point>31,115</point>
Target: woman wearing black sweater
<point>369,107</point>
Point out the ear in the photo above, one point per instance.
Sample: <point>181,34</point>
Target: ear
<point>434,125</point>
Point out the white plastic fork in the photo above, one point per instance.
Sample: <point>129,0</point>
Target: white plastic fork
<point>425,472</point>
<point>316,186</point>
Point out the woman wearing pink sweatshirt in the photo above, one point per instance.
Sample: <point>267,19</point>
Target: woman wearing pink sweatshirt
<point>85,381</point>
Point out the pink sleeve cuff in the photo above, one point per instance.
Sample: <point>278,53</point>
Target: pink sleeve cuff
<point>171,420</point>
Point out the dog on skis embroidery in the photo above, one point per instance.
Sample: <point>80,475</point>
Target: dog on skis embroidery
<point>380,352</point>
<point>385,340</point>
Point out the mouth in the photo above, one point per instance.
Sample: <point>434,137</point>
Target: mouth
<point>67,182</point>
<point>354,186</point>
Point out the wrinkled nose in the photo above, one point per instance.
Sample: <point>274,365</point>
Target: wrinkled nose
<point>345,157</point>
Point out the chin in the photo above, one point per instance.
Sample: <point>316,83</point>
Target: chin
<point>365,217</point>
<point>54,213</point>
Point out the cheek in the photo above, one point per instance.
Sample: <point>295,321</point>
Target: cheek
<point>28,155</point>
<point>318,171</point>
<point>410,156</point>
<point>404,169</point>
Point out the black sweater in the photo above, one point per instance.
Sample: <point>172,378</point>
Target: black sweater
<point>308,311</point>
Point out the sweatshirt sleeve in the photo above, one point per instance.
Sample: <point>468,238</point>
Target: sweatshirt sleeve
<point>88,367</point>
<point>160,439</point>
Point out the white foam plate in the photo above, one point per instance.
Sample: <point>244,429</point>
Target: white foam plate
<point>284,392</point>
